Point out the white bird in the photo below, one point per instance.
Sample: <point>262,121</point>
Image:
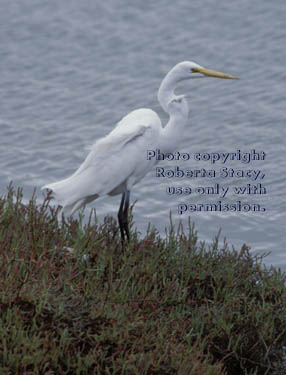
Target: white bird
<point>118,161</point>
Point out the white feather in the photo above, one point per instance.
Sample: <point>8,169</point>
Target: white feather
<point>109,167</point>
<point>119,160</point>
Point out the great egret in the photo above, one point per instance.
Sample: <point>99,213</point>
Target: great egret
<point>118,161</point>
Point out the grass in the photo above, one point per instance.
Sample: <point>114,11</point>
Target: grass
<point>159,306</point>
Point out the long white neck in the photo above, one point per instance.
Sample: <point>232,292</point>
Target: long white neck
<point>167,88</point>
<point>173,133</point>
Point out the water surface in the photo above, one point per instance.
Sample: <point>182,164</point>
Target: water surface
<point>71,70</point>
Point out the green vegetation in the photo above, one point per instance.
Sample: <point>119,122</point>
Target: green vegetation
<point>159,306</point>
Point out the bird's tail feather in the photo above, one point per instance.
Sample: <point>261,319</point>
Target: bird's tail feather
<point>67,195</point>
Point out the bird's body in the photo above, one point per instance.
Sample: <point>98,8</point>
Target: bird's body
<point>111,168</point>
<point>119,160</point>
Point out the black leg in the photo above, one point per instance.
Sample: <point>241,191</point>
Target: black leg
<point>120,214</point>
<point>123,216</point>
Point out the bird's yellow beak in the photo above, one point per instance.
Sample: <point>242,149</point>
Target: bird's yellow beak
<point>212,73</point>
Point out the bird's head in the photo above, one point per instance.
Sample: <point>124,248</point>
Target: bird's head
<point>189,69</point>
<point>180,72</point>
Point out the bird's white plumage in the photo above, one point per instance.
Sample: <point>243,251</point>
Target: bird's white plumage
<point>119,160</point>
<point>110,167</point>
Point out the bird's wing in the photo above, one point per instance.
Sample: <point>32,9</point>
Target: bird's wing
<point>109,147</point>
<point>138,126</point>
<point>112,159</point>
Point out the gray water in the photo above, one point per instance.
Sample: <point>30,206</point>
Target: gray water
<point>70,70</point>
